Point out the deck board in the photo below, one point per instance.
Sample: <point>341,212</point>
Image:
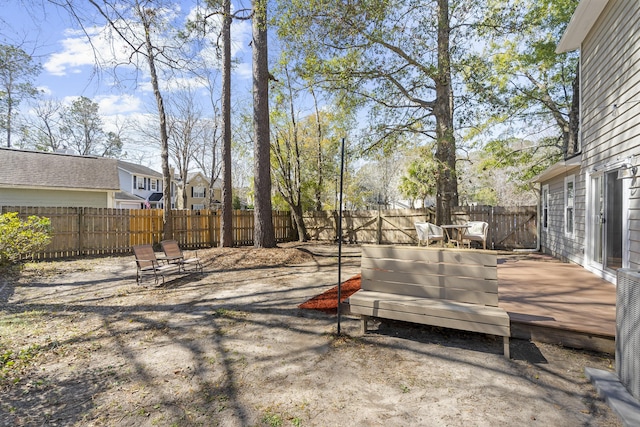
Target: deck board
<point>565,300</point>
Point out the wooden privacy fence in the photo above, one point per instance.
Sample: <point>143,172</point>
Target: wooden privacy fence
<point>509,227</point>
<point>102,231</point>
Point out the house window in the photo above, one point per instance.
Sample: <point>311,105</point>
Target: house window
<point>569,204</point>
<point>545,206</point>
<point>198,192</point>
<point>140,185</point>
<point>154,185</point>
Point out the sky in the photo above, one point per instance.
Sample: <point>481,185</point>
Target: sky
<point>68,59</point>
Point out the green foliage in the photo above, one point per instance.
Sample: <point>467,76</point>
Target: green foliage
<point>82,126</point>
<point>237,203</point>
<point>420,179</point>
<point>272,419</point>
<point>20,238</point>
<point>485,196</point>
<point>17,74</point>
<point>519,76</point>
<point>12,362</point>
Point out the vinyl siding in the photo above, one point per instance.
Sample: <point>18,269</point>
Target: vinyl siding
<point>611,103</point>
<point>56,198</point>
<point>126,181</point>
<point>554,241</point>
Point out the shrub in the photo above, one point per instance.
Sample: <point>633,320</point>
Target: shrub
<point>19,238</point>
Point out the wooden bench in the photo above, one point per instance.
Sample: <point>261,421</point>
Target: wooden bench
<point>451,288</point>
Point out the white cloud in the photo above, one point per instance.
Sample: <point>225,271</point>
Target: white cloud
<point>118,104</point>
<point>45,90</point>
<point>78,52</point>
<point>244,70</point>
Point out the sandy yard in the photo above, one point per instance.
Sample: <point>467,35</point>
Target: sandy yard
<point>81,344</point>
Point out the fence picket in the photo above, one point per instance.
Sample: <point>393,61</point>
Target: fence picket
<point>98,231</point>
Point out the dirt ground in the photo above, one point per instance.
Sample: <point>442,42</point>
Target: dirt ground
<point>81,344</point>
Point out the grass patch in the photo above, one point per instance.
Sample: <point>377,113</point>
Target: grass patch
<point>13,362</point>
<point>21,319</point>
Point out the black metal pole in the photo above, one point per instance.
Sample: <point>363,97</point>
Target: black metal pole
<point>340,233</point>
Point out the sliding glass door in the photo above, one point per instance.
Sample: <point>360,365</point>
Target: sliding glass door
<point>606,234</point>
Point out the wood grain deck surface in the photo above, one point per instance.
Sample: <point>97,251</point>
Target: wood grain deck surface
<point>544,292</point>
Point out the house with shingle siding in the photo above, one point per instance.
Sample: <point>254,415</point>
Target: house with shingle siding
<point>590,203</point>
<point>36,178</point>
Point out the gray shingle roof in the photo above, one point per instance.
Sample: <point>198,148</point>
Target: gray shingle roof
<point>21,168</point>
<point>123,195</point>
<point>138,169</point>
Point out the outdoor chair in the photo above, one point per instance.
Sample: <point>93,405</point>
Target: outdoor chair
<point>428,231</point>
<point>147,263</point>
<point>173,256</point>
<point>477,231</point>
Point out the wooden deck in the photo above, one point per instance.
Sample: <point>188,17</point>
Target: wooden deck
<point>555,302</point>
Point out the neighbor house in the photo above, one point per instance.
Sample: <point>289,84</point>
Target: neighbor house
<point>590,203</point>
<point>36,178</point>
<point>140,187</point>
<point>198,192</point>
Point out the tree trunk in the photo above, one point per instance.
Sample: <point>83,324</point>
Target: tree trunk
<point>572,143</point>
<point>264,235</point>
<point>9,114</point>
<point>298,219</point>
<point>226,220</point>
<point>164,136</point>
<point>184,177</point>
<point>447,186</point>
<point>319,160</point>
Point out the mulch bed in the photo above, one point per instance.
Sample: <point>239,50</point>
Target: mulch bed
<point>327,302</point>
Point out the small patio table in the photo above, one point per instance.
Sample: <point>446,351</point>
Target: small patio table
<point>459,228</point>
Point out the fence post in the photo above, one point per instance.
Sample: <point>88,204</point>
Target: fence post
<point>80,231</point>
<point>492,240</point>
<point>379,227</point>
<point>212,226</point>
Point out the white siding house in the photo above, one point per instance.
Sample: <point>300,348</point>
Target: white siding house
<point>140,187</point>
<point>36,178</point>
<point>593,200</point>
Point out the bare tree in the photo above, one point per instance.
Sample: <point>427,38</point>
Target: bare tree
<point>46,125</point>
<point>140,25</point>
<point>186,133</point>
<point>286,149</point>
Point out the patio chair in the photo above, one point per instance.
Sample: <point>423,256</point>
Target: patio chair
<point>477,231</point>
<point>428,231</point>
<point>173,255</point>
<point>147,263</point>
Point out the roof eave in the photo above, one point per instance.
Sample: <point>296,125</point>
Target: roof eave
<point>583,19</point>
<point>562,167</point>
